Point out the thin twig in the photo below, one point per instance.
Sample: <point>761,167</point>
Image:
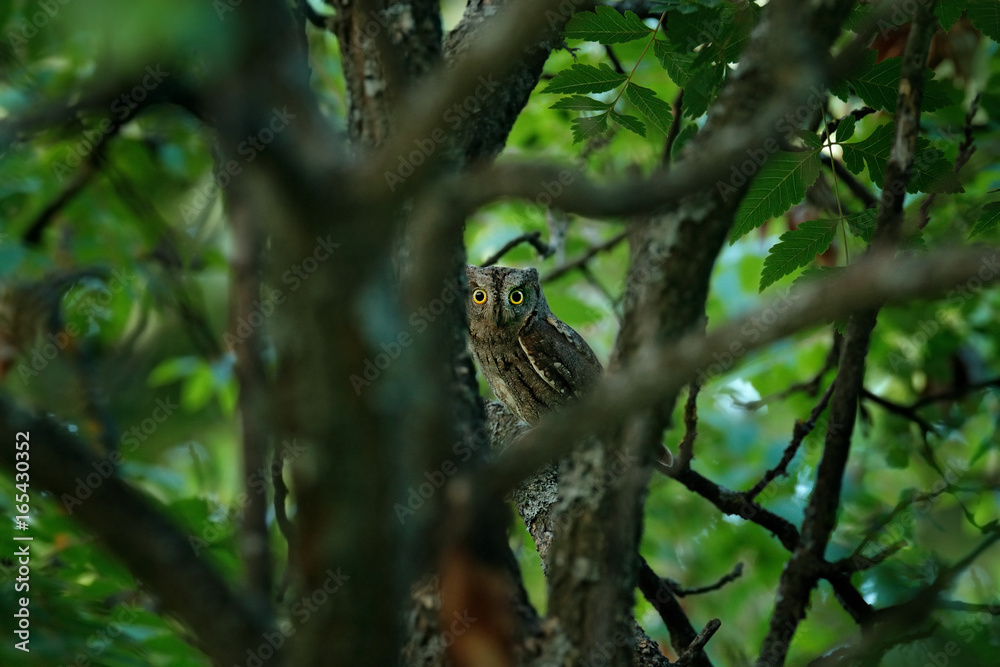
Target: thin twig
<point>857,188</point>
<point>689,654</point>
<point>809,387</point>
<point>900,506</point>
<point>281,518</point>
<point>800,574</point>
<point>534,238</point>
<point>614,60</point>
<point>674,130</point>
<point>955,393</point>
<point>965,151</point>
<point>659,594</point>
<point>971,607</point>
<point>799,432</point>
<point>582,260</point>
<point>901,410</point>
<point>832,126</point>
<point>858,563</point>
<point>733,575</point>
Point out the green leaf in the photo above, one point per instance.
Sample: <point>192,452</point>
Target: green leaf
<point>689,30</point>
<point>878,85</point>
<point>589,126</point>
<point>845,130</point>
<point>702,89</point>
<point>781,182</point>
<point>873,152</point>
<point>810,139</point>
<point>988,220</point>
<point>739,20</point>
<point>931,171</point>
<point>679,64</point>
<point>652,108</point>
<point>948,11</point>
<point>796,248</point>
<point>985,15</point>
<point>914,242</point>
<point>580,79</point>
<point>630,123</point>
<point>841,89</point>
<point>606,26</point>
<point>860,17</point>
<point>581,103</point>
<point>198,389</point>
<point>172,370</point>
<point>862,224</point>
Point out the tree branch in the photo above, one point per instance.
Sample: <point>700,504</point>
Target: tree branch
<point>801,573</point>
<point>682,634</point>
<point>533,238</point>
<point>642,383</point>
<point>581,261</point>
<point>254,414</point>
<point>153,548</point>
<point>799,432</point>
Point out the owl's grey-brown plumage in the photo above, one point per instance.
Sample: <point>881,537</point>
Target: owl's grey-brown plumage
<point>532,361</point>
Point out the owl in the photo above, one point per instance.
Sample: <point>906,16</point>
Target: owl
<point>532,361</point>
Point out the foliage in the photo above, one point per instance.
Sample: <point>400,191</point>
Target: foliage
<point>158,173</point>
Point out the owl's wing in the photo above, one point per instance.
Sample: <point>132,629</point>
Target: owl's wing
<point>560,356</point>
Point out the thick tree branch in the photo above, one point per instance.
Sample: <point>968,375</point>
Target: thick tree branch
<point>156,551</point>
<point>877,280</point>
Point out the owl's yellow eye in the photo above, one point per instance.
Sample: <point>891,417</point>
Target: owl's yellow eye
<point>517,297</point>
<point>479,296</point>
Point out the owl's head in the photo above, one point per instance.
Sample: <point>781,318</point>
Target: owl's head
<point>501,300</point>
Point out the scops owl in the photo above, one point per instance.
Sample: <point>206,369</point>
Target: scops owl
<point>532,361</point>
